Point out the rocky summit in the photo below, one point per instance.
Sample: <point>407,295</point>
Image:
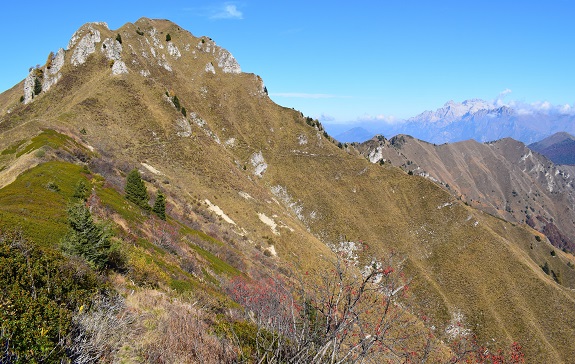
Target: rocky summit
<point>157,206</point>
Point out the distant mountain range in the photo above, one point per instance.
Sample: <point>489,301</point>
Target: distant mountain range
<point>479,120</point>
<point>559,147</point>
<point>354,135</point>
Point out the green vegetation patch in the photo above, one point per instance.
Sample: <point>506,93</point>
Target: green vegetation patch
<point>218,265</point>
<point>36,201</point>
<point>113,199</point>
<point>182,286</point>
<point>41,289</point>
<point>13,148</point>
<point>50,138</point>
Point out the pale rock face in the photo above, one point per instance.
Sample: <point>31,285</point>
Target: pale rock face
<point>205,46</point>
<point>166,65</point>
<point>154,35</point>
<point>259,163</point>
<point>204,126</point>
<point>210,68</point>
<point>29,88</point>
<point>50,81</point>
<point>145,73</point>
<point>376,155</point>
<point>57,62</point>
<point>269,222</point>
<point>184,127</point>
<point>263,90</point>
<point>173,50</point>
<point>78,34</point>
<point>295,206</point>
<point>52,75</point>
<point>227,62</point>
<point>119,68</point>
<point>112,49</point>
<point>85,47</point>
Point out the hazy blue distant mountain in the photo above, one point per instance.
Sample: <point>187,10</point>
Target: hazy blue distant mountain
<point>483,121</point>
<point>559,147</point>
<point>357,134</point>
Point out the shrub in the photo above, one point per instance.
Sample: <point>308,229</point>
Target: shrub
<point>98,332</point>
<point>168,37</point>
<point>50,60</point>
<point>184,112</point>
<point>556,277</point>
<point>545,268</point>
<point>136,191</point>
<point>52,186</point>
<point>40,153</point>
<point>119,38</point>
<point>332,321</point>
<point>40,291</point>
<point>183,336</point>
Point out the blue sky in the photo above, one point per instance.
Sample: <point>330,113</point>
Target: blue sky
<point>344,61</point>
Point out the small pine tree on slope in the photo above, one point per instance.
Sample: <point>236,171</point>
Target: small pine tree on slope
<point>160,206</point>
<point>85,238</point>
<point>136,190</point>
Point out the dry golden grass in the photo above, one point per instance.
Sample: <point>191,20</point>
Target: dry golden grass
<point>460,259</point>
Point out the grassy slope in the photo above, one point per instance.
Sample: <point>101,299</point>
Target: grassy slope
<point>460,259</point>
<point>36,203</point>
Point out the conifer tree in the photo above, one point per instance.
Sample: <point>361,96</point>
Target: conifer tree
<point>160,206</point>
<point>176,102</point>
<point>85,238</point>
<point>136,189</point>
<point>37,86</point>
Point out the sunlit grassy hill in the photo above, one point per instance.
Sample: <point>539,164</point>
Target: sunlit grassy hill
<point>253,189</point>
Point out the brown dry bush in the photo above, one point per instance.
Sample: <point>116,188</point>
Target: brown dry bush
<point>183,336</point>
<point>99,331</point>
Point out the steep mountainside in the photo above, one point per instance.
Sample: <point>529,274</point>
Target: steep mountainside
<point>559,147</point>
<point>503,178</point>
<point>482,121</point>
<point>255,187</point>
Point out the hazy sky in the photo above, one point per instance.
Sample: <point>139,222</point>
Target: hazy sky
<point>343,61</point>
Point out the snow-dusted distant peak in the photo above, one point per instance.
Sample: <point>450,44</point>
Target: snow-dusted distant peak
<point>452,111</point>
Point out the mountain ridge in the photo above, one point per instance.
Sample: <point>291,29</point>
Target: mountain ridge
<point>264,178</point>
<point>500,177</point>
